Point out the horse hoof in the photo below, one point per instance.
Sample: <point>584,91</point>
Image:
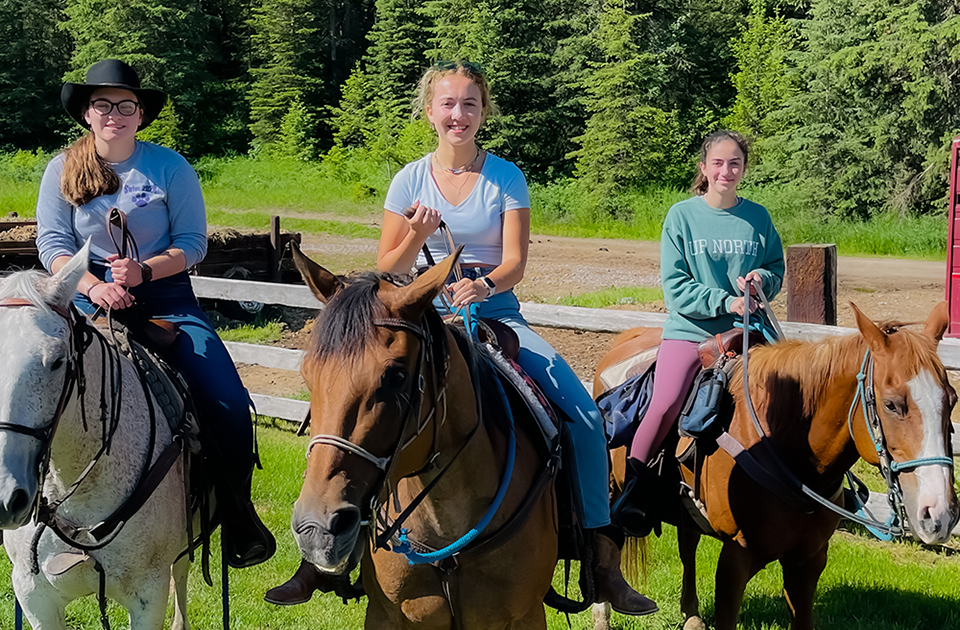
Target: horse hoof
<point>694,623</point>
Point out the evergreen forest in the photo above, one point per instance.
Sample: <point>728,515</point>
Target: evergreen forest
<point>851,105</point>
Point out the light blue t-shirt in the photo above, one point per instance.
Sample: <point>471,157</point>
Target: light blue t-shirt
<point>477,221</point>
<point>160,194</point>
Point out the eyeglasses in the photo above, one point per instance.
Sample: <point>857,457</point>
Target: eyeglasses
<point>470,66</point>
<point>125,108</point>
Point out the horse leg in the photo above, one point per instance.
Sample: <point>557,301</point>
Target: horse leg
<point>800,585</point>
<point>181,569</point>
<point>43,606</point>
<point>601,616</point>
<point>688,539</point>
<point>734,569</point>
<point>147,603</point>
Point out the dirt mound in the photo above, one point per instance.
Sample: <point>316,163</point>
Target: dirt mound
<point>20,233</point>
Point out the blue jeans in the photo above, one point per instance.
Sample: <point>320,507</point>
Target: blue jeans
<point>561,385</point>
<point>222,401</point>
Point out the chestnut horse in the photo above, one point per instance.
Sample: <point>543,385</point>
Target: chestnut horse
<point>393,406</point>
<point>803,393</point>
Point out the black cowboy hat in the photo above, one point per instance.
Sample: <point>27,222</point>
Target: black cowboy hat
<point>110,73</point>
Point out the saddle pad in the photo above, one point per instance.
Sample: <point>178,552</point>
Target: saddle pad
<point>539,406</point>
<point>629,367</point>
<point>167,384</point>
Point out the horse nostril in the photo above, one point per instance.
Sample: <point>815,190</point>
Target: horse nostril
<point>18,502</point>
<point>344,521</point>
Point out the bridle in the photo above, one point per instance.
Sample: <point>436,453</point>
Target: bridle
<point>889,468</point>
<point>72,378</point>
<point>413,399</point>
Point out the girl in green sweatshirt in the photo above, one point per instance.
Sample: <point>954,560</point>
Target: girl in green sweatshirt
<point>711,246</point>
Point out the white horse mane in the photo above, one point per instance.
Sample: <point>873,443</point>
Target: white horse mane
<point>30,285</point>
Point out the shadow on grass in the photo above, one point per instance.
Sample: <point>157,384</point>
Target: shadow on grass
<point>849,607</point>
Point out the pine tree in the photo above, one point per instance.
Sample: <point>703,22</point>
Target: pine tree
<point>165,130</point>
<point>765,79</point>
<point>628,140</point>
<point>33,58</point>
<point>871,130</point>
<point>376,101</point>
<point>285,37</point>
<point>166,41</point>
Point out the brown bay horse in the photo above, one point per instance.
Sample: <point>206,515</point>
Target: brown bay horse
<point>394,407</point>
<point>802,393</point>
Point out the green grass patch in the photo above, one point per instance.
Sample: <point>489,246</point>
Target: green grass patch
<point>269,332</point>
<point>867,585</point>
<point>261,221</point>
<point>612,296</point>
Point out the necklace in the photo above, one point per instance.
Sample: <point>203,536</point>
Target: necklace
<point>461,169</point>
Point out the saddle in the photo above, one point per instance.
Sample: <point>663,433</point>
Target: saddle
<point>140,340</point>
<point>631,396</point>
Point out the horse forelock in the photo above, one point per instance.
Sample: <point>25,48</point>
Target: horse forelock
<point>346,325</point>
<point>30,285</point>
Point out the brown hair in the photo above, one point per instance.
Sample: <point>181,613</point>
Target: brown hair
<point>86,175</point>
<point>427,86</point>
<point>700,183</point>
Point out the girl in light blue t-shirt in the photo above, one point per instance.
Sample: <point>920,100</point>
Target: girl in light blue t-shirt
<point>484,201</point>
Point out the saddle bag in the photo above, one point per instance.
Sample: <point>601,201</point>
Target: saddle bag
<point>624,406</point>
<point>707,410</point>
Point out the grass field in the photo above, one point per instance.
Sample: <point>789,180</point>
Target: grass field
<point>867,585</point>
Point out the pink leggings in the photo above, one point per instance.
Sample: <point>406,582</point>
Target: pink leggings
<point>677,364</point>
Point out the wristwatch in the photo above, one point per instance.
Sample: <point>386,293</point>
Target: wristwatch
<point>490,284</point>
<point>146,272</point>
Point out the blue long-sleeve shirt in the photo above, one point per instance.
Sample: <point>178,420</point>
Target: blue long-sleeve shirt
<point>703,250</point>
<point>160,194</point>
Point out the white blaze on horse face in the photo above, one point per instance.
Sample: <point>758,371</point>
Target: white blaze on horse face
<point>935,506</point>
<point>30,385</point>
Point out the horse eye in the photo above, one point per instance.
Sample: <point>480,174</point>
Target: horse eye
<point>393,378</point>
<point>892,407</point>
<point>56,365</point>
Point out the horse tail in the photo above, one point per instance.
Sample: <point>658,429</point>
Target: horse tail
<point>633,561</point>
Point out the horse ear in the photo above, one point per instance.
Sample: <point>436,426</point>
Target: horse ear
<point>66,281</point>
<point>322,283</point>
<point>937,321</point>
<point>413,300</point>
<point>876,338</point>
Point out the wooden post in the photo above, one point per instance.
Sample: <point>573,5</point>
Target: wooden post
<point>275,250</point>
<point>812,284</point>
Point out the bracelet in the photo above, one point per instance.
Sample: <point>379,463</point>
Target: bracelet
<point>90,288</point>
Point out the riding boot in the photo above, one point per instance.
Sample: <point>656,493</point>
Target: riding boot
<point>300,588</point>
<point>634,512</point>
<point>609,582</point>
<point>245,539</point>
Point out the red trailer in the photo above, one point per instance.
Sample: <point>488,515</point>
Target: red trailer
<point>953,241</point>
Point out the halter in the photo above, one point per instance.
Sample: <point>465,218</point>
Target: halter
<point>72,378</point>
<point>889,468</point>
<point>413,400</point>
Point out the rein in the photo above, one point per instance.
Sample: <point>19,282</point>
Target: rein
<point>889,468</point>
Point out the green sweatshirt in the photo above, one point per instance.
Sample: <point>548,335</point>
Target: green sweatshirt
<point>703,251</point>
